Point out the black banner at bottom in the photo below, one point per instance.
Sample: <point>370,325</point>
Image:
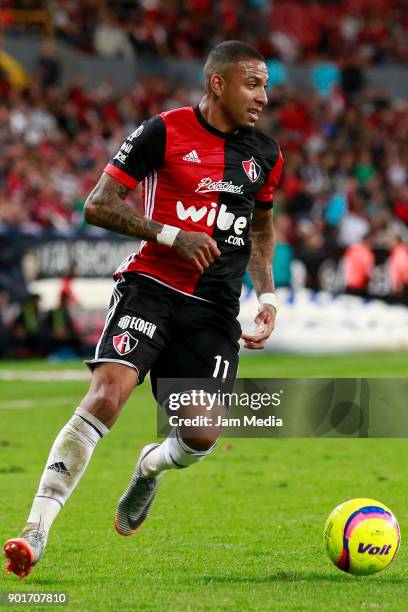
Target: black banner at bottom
<point>285,407</point>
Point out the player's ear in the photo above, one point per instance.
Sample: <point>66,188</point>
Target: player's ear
<point>217,84</point>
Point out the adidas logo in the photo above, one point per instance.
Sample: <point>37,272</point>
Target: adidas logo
<point>59,467</point>
<point>192,157</point>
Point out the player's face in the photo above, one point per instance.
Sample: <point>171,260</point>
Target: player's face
<point>243,96</point>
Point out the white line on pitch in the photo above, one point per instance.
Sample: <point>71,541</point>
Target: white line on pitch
<point>37,403</point>
<point>44,376</point>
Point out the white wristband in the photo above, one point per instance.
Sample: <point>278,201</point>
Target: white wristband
<point>167,235</point>
<point>270,299</point>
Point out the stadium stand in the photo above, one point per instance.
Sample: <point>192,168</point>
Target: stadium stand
<point>344,141</point>
<point>373,32</point>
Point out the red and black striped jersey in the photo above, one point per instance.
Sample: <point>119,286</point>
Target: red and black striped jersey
<point>199,179</point>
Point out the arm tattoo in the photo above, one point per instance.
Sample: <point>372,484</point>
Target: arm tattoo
<point>263,242</point>
<point>105,208</point>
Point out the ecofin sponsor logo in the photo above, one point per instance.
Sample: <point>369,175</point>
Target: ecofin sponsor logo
<point>140,325</point>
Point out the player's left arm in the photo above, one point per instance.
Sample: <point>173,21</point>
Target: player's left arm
<point>260,262</point>
<point>260,271</point>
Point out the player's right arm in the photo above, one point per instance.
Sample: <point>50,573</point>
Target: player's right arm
<point>105,206</point>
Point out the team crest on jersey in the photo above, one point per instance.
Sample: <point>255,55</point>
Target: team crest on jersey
<point>252,169</point>
<point>124,343</point>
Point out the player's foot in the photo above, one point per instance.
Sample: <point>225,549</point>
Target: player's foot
<point>24,552</point>
<point>135,503</point>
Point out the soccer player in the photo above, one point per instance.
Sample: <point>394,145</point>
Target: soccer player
<point>208,180</point>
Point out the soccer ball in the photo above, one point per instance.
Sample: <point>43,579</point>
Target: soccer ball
<point>361,536</point>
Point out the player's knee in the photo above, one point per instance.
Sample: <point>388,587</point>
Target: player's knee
<point>111,386</point>
<point>105,404</point>
<point>201,444</point>
<point>103,401</point>
<point>203,435</point>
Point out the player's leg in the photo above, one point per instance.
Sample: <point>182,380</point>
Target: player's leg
<point>111,385</point>
<point>181,449</point>
<point>209,341</point>
<point>211,356</point>
<point>133,336</point>
<point>115,373</point>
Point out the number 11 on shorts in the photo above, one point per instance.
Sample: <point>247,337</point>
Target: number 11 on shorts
<point>218,361</point>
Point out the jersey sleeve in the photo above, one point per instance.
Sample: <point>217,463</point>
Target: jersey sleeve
<point>263,197</point>
<point>140,153</point>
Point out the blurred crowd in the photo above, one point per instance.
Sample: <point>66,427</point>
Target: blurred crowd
<point>29,331</point>
<point>344,192</point>
<point>346,156</point>
<point>373,32</point>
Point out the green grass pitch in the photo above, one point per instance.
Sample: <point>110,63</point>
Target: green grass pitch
<point>240,531</point>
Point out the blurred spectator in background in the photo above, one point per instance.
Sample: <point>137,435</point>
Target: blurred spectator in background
<point>352,77</point>
<point>61,332</point>
<point>110,39</point>
<point>5,337</point>
<point>67,292</point>
<point>355,224</point>
<point>398,268</point>
<point>358,261</point>
<point>325,76</point>
<point>29,338</point>
<point>400,204</point>
<point>49,69</point>
<point>283,257</point>
<point>311,251</point>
